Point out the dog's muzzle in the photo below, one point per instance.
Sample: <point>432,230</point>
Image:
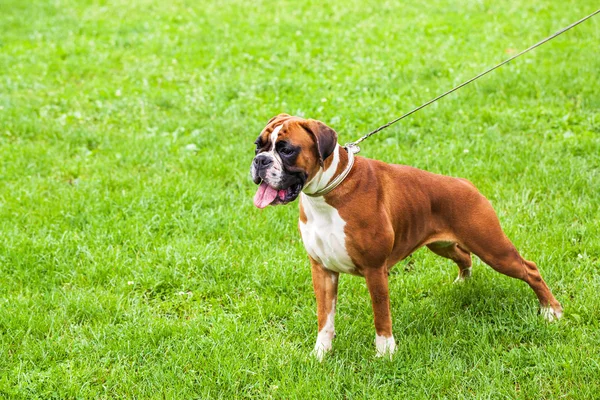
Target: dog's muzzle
<point>276,184</point>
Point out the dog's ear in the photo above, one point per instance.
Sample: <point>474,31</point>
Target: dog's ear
<point>325,137</point>
<point>280,116</point>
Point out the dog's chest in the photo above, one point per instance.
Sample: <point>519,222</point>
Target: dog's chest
<point>323,235</point>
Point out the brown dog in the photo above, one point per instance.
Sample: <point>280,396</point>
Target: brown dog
<point>362,216</point>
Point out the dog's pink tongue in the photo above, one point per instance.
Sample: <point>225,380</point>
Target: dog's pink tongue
<point>264,195</point>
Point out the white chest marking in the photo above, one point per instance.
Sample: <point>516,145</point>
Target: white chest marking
<point>323,235</point>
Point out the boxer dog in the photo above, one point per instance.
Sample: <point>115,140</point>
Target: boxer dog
<point>360,216</point>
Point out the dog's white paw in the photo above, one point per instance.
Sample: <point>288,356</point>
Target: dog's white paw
<point>323,345</point>
<point>463,275</point>
<point>550,314</point>
<point>320,350</point>
<point>386,346</point>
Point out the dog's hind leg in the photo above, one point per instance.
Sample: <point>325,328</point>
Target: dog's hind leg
<point>454,252</point>
<point>509,262</point>
<point>481,234</point>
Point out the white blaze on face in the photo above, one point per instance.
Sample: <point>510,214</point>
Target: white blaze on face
<point>274,172</point>
<point>274,135</point>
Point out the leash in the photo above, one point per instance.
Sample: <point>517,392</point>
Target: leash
<point>352,147</point>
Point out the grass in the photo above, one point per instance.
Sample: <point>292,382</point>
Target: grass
<point>133,263</point>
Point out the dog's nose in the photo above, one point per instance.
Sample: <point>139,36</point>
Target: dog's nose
<point>262,161</point>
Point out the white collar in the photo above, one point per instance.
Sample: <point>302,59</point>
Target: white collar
<point>340,178</point>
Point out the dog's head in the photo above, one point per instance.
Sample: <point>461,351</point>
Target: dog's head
<point>289,153</point>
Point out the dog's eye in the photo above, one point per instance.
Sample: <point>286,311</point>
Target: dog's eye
<point>286,151</point>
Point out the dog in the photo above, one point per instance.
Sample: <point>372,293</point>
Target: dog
<point>361,216</point>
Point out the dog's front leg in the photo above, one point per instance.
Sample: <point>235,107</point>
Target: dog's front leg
<point>377,283</point>
<point>325,283</point>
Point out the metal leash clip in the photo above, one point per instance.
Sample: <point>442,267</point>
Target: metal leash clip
<point>352,147</point>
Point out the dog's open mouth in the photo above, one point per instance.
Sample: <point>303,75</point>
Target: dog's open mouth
<point>267,195</point>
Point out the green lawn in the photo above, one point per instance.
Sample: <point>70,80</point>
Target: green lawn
<point>134,264</point>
